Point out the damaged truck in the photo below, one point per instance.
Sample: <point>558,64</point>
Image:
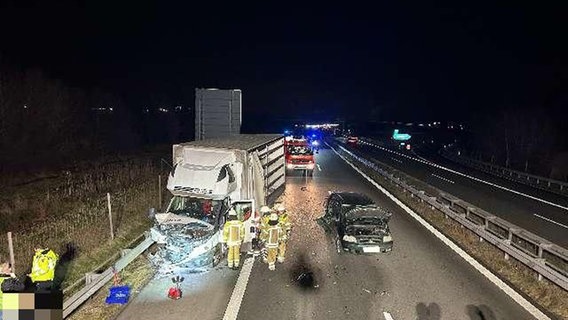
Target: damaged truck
<point>208,178</point>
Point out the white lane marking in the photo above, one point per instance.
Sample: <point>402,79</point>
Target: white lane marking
<point>420,157</point>
<point>397,160</point>
<point>319,168</point>
<point>550,220</point>
<point>484,271</point>
<point>442,178</point>
<point>387,316</point>
<point>234,305</point>
<point>470,177</point>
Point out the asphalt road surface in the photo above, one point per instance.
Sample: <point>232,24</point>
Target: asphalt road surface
<point>421,279</point>
<point>547,220</point>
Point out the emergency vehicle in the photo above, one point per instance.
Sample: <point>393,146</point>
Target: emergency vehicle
<point>299,154</point>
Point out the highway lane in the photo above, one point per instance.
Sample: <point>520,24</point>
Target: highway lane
<point>511,184</point>
<point>420,279</point>
<point>530,214</point>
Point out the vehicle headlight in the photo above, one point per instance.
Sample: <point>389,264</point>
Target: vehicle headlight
<point>387,238</point>
<point>348,238</point>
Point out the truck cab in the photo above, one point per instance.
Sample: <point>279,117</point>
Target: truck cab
<point>209,178</point>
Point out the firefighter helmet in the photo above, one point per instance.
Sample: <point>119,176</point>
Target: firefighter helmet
<point>273,217</point>
<point>265,210</point>
<point>232,212</point>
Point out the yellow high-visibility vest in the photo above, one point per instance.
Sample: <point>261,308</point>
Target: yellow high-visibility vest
<point>233,232</point>
<point>274,235</point>
<point>43,265</point>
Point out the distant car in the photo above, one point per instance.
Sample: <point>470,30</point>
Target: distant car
<point>356,223</point>
<point>352,139</point>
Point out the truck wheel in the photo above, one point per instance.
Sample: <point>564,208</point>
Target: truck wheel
<point>218,255</point>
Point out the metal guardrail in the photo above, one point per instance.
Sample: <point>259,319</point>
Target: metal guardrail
<point>543,183</point>
<point>545,258</point>
<point>95,281</point>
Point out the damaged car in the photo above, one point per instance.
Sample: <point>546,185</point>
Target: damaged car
<point>356,224</point>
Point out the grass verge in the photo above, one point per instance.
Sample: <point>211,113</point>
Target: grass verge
<point>69,212</point>
<point>136,275</point>
<point>545,293</point>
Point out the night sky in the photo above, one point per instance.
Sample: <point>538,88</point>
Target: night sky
<point>398,59</point>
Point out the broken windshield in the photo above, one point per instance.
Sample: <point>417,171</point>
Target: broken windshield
<point>203,209</point>
<point>368,221</point>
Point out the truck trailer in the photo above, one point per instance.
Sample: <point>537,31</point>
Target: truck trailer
<point>208,178</point>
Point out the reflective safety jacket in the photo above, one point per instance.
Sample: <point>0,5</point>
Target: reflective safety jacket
<point>284,222</point>
<point>272,235</point>
<point>233,232</point>
<point>43,265</point>
<point>264,220</point>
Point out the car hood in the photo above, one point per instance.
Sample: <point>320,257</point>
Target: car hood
<point>367,214</point>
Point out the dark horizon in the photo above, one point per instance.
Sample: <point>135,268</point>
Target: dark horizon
<point>415,63</point>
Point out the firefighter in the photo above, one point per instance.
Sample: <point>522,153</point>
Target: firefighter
<point>43,269</point>
<point>272,234</point>
<point>256,241</point>
<point>233,236</point>
<point>265,211</point>
<point>286,226</point>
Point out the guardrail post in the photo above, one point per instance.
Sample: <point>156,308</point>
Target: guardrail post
<point>124,252</point>
<point>90,277</point>
<point>11,251</point>
<point>110,217</point>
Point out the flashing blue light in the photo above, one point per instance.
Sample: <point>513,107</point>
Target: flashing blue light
<point>286,131</point>
<point>315,143</point>
<point>313,135</point>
